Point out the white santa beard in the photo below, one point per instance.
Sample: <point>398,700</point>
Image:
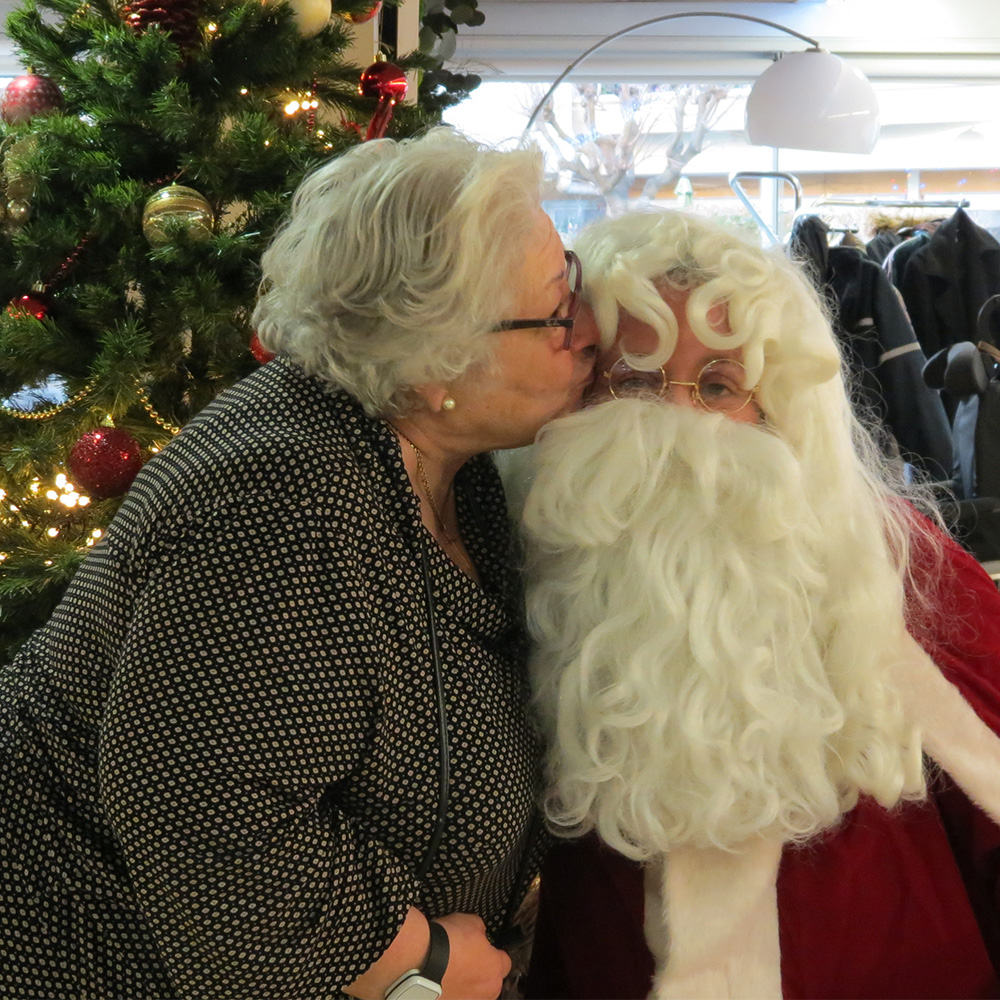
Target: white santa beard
<point>711,659</point>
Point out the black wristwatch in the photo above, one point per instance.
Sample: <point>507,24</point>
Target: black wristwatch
<point>424,983</point>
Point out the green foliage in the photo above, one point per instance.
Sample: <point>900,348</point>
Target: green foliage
<point>442,16</point>
<point>140,335</point>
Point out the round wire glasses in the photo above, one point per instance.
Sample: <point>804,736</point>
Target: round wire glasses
<point>721,386</point>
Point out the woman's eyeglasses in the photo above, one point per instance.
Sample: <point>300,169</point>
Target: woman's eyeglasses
<point>564,315</point>
<point>721,385</point>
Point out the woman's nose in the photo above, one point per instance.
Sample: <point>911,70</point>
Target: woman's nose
<point>585,332</point>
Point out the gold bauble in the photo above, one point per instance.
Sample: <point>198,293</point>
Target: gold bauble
<point>17,214</point>
<point>176,208</point>
<point>19,183</point>
<point>20,194</point>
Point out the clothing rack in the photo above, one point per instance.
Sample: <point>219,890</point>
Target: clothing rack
<point>876,203</point>
<point>736,179</point>
<point>890,203</point>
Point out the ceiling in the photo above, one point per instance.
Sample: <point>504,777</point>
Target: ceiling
<point>887,39</point>
<point>912,40</point>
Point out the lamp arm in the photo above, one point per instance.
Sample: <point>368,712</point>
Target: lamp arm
<point>656,20</point>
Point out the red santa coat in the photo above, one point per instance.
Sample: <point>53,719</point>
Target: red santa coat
<point>890,904</point>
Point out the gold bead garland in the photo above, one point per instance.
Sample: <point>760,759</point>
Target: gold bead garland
<point>78,397</point>
<point>151,412</point>
<point>49,411</point>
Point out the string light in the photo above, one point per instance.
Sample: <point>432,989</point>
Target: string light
<point>63,492</point>
<point>301,102</point>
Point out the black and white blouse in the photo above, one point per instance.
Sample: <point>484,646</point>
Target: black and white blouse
<point>219,760</point>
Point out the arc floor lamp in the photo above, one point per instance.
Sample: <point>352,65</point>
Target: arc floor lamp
<point>803,100</point>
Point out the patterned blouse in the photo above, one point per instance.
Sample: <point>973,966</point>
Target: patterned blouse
<point>220,760</point>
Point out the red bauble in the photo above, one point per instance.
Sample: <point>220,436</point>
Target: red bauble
<point>104,462</point>
<point>259,351</point>
<point>27,96</point>
<point>33,304</point>
<point>366,16</point>
<point>384,80</point>
<point>387,82</point>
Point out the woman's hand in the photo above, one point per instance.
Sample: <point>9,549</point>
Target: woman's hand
<point>476,969</point>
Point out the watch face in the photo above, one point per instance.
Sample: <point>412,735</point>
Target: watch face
<point>413,986</point>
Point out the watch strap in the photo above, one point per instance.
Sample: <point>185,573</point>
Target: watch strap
<point>438,955</point>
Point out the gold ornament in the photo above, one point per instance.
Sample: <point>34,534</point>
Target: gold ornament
<point>176,208</point>
<point>17,214</point>
<point>19,190</point>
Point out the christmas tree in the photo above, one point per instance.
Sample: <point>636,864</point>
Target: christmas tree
<point>146,157</point>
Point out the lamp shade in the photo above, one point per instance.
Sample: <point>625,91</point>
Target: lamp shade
<point>813,100</point>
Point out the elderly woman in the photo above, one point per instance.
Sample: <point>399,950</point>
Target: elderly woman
<point>273,743</point>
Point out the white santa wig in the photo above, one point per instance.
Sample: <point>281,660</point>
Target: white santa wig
<point>698,693</point>
<point>789,349</point>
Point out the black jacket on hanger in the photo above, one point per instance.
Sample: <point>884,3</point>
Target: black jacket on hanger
<point>881,244</point>
<point>898,257</point>
<point>880,347</point>
<point>945,282</point>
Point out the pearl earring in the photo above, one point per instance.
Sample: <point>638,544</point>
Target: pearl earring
<point>448,404</point>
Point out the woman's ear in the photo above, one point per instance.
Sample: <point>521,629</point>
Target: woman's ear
<point>434,396</point>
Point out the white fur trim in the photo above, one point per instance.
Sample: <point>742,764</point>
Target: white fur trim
<point>712,917</point>
<point>953,735</point>
<point>718,923</point>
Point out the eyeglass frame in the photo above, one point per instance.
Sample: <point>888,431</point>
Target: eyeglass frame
<point>572,307</point>
<point>695,391</point>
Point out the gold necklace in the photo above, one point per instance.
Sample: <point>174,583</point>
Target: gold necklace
<point>453,540</point>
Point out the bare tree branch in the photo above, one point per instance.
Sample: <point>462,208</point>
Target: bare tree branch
<point>587,151</point>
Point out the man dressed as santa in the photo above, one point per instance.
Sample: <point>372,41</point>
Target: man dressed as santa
<point>770,686</point>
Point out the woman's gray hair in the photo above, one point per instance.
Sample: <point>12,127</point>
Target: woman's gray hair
<point>396,260</point>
